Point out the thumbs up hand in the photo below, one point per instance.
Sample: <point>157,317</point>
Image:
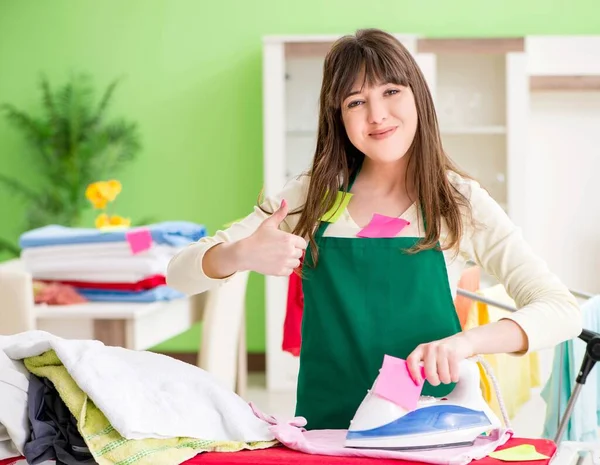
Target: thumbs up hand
<point>269,250</point>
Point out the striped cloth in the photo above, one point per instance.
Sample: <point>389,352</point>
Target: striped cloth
<point>105,443</point>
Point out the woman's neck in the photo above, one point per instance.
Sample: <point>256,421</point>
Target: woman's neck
<point>386,178</point>
<point>381,188</point>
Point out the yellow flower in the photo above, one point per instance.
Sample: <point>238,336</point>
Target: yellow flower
<point>110,189</point>
<point>116,220</point>
<point>103,221</point>
<point>93,194</point>
<point>102,192</point>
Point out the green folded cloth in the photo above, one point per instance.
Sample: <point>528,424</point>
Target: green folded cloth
<point>106,445</point>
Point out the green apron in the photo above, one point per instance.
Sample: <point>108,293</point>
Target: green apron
<point>366,298</point>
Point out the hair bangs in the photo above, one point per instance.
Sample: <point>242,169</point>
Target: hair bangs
<point>374,65</point>
<point>383,66</point>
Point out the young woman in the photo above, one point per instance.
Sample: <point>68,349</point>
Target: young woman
<point>379,143</point>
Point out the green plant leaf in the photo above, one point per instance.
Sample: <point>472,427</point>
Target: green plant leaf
<point>9,248</point>
<point>18,187</point>
<point>74,142</point>
<point>104,102</point>
<point>35,131</point>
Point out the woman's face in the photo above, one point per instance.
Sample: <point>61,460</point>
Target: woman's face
<point>381,121</point>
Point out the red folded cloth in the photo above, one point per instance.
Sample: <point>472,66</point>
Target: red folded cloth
<point>292,326</point>
<point>147,283</point>
<point>11,460</point>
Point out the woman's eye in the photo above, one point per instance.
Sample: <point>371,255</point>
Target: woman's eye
<point>392,91</point>
<point>354,103</point>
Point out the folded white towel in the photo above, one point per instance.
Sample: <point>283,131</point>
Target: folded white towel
<point>91,251</point>
<point>147,266</point>
<point>147,395</point>
<point>103,262</point>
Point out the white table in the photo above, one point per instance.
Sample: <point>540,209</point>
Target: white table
<point>137,326</point>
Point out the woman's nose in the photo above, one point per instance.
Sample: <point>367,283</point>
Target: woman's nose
<point>377,111</point>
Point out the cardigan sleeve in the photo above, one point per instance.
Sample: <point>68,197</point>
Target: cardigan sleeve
<point>548,313</point>
<point>185,272</point>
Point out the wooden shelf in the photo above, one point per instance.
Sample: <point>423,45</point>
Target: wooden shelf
<point>304,46</point>
<point>458,45</point>
<point>564,83</point>
<point>471,45</point>
<point>307,49</point>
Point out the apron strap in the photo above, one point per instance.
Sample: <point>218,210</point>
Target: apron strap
<point>323,224</point>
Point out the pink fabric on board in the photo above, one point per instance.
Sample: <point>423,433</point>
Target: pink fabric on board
<point>293,435</point>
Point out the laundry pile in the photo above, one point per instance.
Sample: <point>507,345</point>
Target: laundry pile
<point>105,265</point>
<point>81,402</point>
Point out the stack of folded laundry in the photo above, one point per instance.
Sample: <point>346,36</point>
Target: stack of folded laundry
<point>79,402</point>
<point>108,265</point>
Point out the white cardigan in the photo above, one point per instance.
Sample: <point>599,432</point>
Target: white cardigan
<point>548,313</point>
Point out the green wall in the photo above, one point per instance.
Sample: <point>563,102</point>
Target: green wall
<point>193,82</point>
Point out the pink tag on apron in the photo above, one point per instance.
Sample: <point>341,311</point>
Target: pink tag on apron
<point>383,226</point>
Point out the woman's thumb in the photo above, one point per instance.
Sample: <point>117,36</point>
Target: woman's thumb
<point>279,215</point>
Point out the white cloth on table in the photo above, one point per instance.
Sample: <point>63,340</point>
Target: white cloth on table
<point>98,250</point>
<point>14,423</point>
<point>98,262</point>
<point>145,394</point>
<point>98,269</point>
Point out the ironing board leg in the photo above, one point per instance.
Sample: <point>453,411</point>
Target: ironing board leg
<point>592,355</point>
<point>568,411</point>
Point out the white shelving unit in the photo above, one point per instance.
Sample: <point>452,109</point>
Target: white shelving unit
<point>563,202</point>
<point>481,102</point>
<point>482,89</point>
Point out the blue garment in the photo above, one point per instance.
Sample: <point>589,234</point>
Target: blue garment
<point>584,421</point>
<point>175,233</point>
<point>159,293</point>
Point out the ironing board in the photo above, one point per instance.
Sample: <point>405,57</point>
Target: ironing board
<point>282,455</point>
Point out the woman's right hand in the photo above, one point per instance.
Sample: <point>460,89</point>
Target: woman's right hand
<point>269,250</point>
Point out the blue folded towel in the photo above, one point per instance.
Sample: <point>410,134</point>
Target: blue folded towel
<point>159,293</point>
<point>174,233</point>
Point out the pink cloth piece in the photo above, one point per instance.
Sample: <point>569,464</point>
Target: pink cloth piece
<point>383,226</point>
<point>56,294</point>
<point>293,435</point>
<point>395,384</point>
<point>139,240</point>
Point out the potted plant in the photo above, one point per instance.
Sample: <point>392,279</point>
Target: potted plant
<point>72,143</point>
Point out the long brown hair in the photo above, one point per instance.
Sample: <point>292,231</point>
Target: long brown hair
<point>382,59</point>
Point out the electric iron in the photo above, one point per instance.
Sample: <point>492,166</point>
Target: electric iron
<point>453,421</point>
